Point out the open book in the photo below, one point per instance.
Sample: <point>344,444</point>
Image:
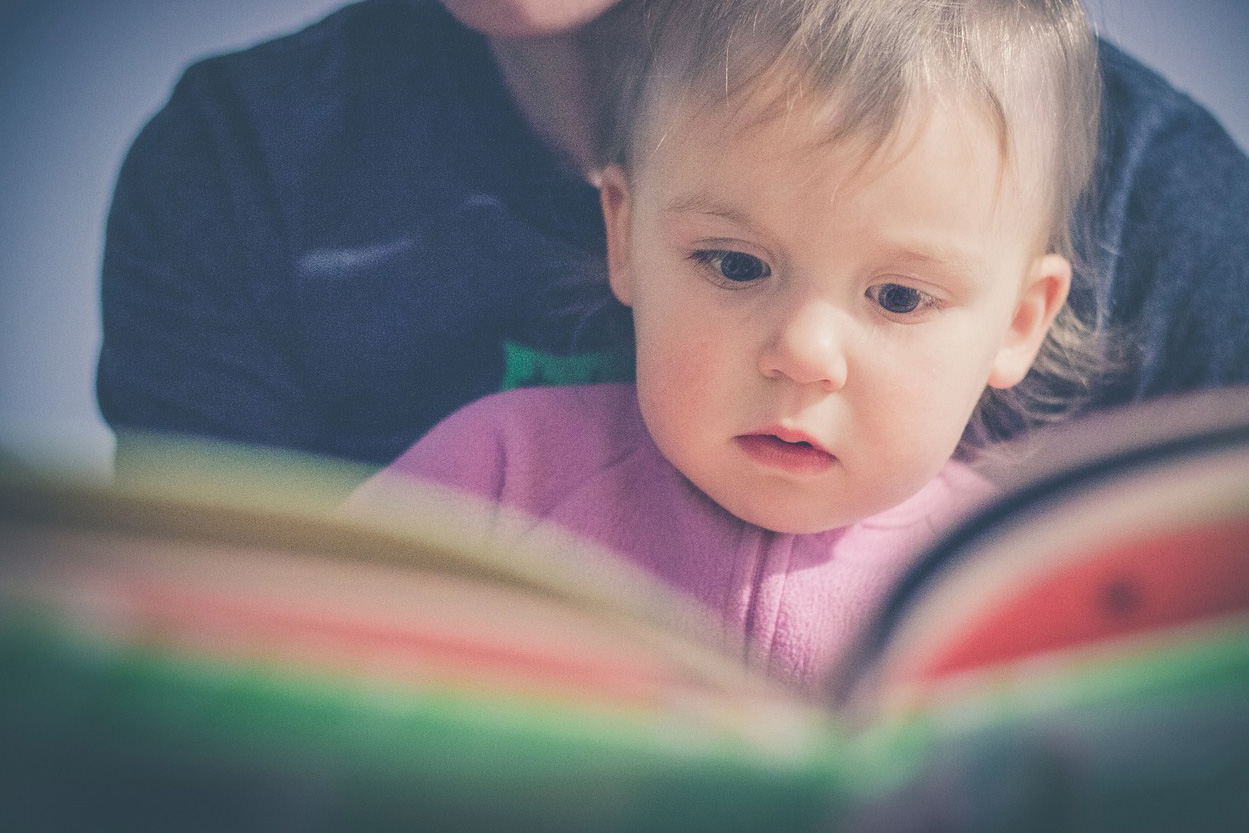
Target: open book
<point>212,647</point>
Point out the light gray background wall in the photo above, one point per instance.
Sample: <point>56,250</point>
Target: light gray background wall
<point>79,77</point>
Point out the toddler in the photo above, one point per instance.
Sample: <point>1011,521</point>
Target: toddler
<point>842,227</point>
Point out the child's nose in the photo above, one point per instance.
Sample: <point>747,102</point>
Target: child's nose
<point>807,347</point>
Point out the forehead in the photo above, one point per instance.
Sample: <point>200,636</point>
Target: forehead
<point>936,184</point>
<point>779,135</point>
<point>808,144</point>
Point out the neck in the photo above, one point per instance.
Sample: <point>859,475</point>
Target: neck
<point>550,80</point>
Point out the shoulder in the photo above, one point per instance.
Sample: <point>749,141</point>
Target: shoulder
<point>378,55</point>
<point>1160,143</point>
<point>1136,93</point>
<point>553,418</point>
<point>1172,234</point>
<point>373,67</point>
<point>377,32</point>
<point>376,67</point>
<point>528,439</point>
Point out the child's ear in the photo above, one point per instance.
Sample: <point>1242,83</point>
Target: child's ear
<point>615,198</point>
<point>1043,296</point>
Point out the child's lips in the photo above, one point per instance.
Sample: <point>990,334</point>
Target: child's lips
<point>795,456</point>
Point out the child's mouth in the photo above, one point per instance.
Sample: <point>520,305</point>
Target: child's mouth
<point>793,457</point>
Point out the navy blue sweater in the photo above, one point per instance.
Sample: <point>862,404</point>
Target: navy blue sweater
<point>332,240</point>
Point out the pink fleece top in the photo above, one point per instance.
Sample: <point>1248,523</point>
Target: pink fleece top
<point>582,458</point>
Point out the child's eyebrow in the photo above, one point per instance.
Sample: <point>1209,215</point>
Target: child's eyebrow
<point>951,260</point>
<point>700,202</point>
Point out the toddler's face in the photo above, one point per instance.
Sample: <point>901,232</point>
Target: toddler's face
<point>814,330</point>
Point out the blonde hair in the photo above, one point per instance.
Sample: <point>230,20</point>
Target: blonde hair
<point>1030,66</point>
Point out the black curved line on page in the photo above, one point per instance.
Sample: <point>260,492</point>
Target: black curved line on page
<point>1034,497</point>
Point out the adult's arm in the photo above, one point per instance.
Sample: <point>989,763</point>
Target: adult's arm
<point>327,242</point>
<point>196,282</point>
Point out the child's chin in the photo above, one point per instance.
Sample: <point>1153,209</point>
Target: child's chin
<point>791,520</point>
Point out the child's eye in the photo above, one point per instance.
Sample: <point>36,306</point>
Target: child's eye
<point>898,299</point>
<point>737,267</point>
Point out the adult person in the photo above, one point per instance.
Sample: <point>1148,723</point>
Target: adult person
<point>331,240</point>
